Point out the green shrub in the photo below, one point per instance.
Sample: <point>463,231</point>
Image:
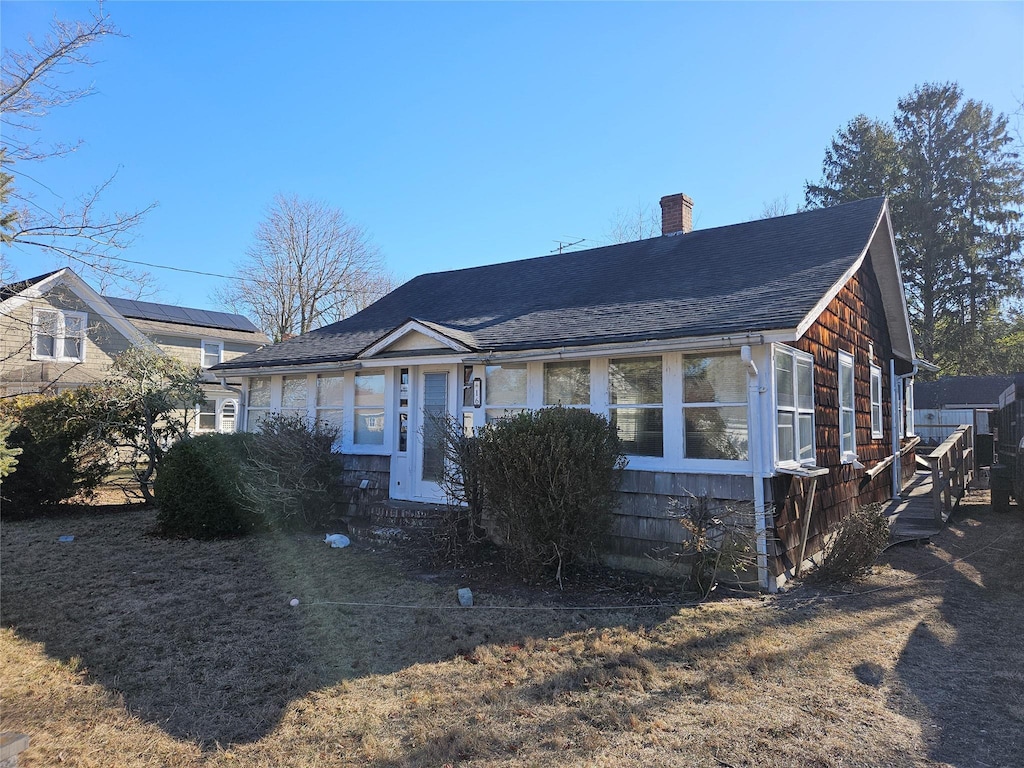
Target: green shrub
<point>60,456</point>
<point>549,480</point>
<point>197,490</point>
<point>859,539</point>
<point>291,478</point>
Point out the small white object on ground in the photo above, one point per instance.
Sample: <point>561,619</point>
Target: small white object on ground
<point>293,602</point>
<point>65,539</point>
<point>466,596</point>
<point>337,540</point>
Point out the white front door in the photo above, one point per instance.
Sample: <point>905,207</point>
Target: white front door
<point>427,444</point>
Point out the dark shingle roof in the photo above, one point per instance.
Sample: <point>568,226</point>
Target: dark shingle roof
<point>756,276</point>
<point>960,390</point>
<point>169,313</point>
<point>13,289</point>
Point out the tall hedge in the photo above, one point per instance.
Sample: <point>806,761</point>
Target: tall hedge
<point>197,491</point>
<point>550,479</point>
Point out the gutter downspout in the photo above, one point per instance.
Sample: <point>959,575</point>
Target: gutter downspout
<point>895,415</point>
<point>766,582</point>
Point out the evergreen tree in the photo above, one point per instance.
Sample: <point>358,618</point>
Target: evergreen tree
<point>956,190</point>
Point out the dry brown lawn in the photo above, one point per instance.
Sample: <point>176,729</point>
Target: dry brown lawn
<point>125,649</point>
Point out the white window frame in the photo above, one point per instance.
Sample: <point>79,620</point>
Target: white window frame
<point>658,406</point>
<point>908,405</point>
<point>60,335</point>
<point>848,452</point>
<point>493,409</point>
<point>876,403</point>
<point>215,412</point>
<point>794,460</point>
<point>221,406</point>
<point>694,404</point>
<point>202,352</point>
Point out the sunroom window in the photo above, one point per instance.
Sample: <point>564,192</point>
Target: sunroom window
<point>794,406</point>
<point>368,414</point>
<point>715,407</point>
<point>567,383</point>
<point>259,402</point>
<point>329,394</point>
<point>505,390</point>
<point>635,404</point>
<point>847,409</point>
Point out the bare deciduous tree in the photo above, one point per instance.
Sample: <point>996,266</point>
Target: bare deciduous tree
<point>34,81</point>
<point>308,266</point>
<point>639,223</point>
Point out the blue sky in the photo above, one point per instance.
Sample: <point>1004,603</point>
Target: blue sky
<point>460,134</point>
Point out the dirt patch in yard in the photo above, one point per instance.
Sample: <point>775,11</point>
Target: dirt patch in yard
<point>124,648</point>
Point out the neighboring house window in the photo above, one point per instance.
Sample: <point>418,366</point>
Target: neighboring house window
<point>635,404</point>
<point>329,388</point>
<point>58,335</point>
<point>369,409</point>
<point>876,402</point>
<point>847,410</point>
<point>293,395</point>
<point>206,418</point>
<point>213,352</point>
<point>259,402</point>
<point>715,407</point>
<point>794,406</point>
<point>506,388</point>
<point>567,383</point>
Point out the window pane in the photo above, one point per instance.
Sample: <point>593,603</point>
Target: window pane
<point>784,380</point>
<point>716,433</point>
<point>640,430</point>
<point>805,384</point>
<point>634,382</point>
<point>329,388</point>
<point>72,347</point>
<point>259,392</point>
<point>211,354</point>
<point>846,431</point>
<point>785,432</point>
<point>293,393</point>
<point>370,389</point>
<point>332,416</point>
<point>845,383</point>
<point>567,383</point>
<point>806,436</point>
<point>506,384</point>
<point>714,379</point>
<point>369,426</point>
<point>255,418</point>
<point>44,346</point>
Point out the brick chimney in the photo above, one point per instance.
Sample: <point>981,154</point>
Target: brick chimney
<point>676,214</point>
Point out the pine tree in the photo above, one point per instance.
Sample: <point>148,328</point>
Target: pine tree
<point>956,191</point>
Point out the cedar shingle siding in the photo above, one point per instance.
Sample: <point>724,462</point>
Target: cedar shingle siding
<point>853,320</point>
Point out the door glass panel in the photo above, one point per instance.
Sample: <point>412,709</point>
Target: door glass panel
<point>435,412</point>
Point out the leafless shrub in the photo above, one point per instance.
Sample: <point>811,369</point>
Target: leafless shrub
<point>461,529</point>
<point>719,540</point>
<point>291,477</point>
<point>859,539</point>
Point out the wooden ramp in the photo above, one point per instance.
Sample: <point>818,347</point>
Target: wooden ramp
<point>926,503</point>
<point>913,515</point>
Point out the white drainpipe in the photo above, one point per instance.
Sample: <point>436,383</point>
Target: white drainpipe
<point>756,443</point>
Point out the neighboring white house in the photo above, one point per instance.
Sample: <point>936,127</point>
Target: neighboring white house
<point>57,333</point>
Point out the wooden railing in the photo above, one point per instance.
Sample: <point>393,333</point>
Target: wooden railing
<point>952,471</point>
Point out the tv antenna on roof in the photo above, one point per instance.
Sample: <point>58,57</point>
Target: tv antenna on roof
<point>563,244</point>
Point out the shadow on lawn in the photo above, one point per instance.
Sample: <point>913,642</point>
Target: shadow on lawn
<point>199,637</point>
<point>965,666</point>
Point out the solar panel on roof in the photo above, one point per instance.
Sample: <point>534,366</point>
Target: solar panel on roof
<point>170,313</point>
